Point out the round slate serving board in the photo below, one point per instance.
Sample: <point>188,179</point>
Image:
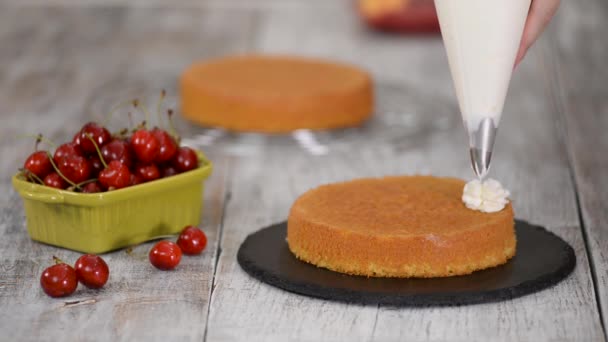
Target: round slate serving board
<point>542,260</point>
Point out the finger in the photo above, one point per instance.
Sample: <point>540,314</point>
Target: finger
<point>541,12</point>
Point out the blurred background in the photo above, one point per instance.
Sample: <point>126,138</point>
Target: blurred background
<point>102,52</point>
<point>74,59</point>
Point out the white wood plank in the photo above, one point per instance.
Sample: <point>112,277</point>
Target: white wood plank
<point>575,62</point>
<point>528,160</point>
<point>261,190</point>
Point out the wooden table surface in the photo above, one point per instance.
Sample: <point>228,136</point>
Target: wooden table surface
<point>63,63</point>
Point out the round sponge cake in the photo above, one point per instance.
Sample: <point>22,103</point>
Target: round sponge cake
<point>398,227</point>
<point>275,94</point>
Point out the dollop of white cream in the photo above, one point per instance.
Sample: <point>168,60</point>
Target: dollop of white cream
<point>488,196</point>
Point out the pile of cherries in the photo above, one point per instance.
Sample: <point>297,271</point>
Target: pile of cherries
<point>166,255</point>
<point>96,160</point>
<point>61,279</point>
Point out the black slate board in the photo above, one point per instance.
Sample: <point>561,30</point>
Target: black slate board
<point>542,260</point>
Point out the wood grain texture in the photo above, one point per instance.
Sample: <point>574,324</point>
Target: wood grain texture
<point>528,159</point>
<point>575,57</point>
<point>64,67</point>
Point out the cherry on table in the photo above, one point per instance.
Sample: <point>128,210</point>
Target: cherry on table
<point>165,255</point>
<point>192,240</point>
<point>54,180</point>
<point>98,133</point>
<point>39,164</point>
<point>145,145</point>
<point>115,176</point>
<point>59,280</point>
<point>92,271</point>
<point>185,159</point>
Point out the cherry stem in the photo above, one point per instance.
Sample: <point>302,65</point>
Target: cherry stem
<point>114,110</point>
<point>57,260</point>
<point>131,120</point>
<point>105,165</point>
<point>163,93</point>
<point>39,138</point>
<point>92,180</point>
<point>171,126</point>
<point>28,174</point>
<point>142,125</point>
<point>61,174</point>
<point>143,108</point>
<point>120,134</point>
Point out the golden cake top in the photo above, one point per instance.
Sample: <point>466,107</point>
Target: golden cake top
<point>280,76</point>
<point>414,205</point>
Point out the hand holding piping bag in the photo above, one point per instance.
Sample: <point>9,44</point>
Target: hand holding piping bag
<point>541,12</point>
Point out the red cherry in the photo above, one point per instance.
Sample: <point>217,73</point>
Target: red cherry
<point>165,255</point>
<point>100,135</point>
<point>117,150</point>
<point>96,165</point>
<point>168,171</point>
<point>91,188</point>
<point>192,240</point>
<point>66,150</point>
<point>75,168</point>
<point>147,172</point>
<point>145,145</point>
<point>39,164</point>
<point>54,180</point>
<point>92,271</point>
<point>115,176</point>
<point>168,146</point>
<point>136,179</point>
<point>59,280</point>
<point>185,160</point>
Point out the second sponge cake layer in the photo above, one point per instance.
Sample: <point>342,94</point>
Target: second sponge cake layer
<point>275,94</point>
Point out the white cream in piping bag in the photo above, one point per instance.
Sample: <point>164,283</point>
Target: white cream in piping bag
<point>481,38</point>
<point>487,196</point>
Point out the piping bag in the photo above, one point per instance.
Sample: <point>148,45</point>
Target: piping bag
<point>481,38</point>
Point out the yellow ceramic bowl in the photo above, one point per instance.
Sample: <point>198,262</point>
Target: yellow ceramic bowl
<point>101,222</point>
